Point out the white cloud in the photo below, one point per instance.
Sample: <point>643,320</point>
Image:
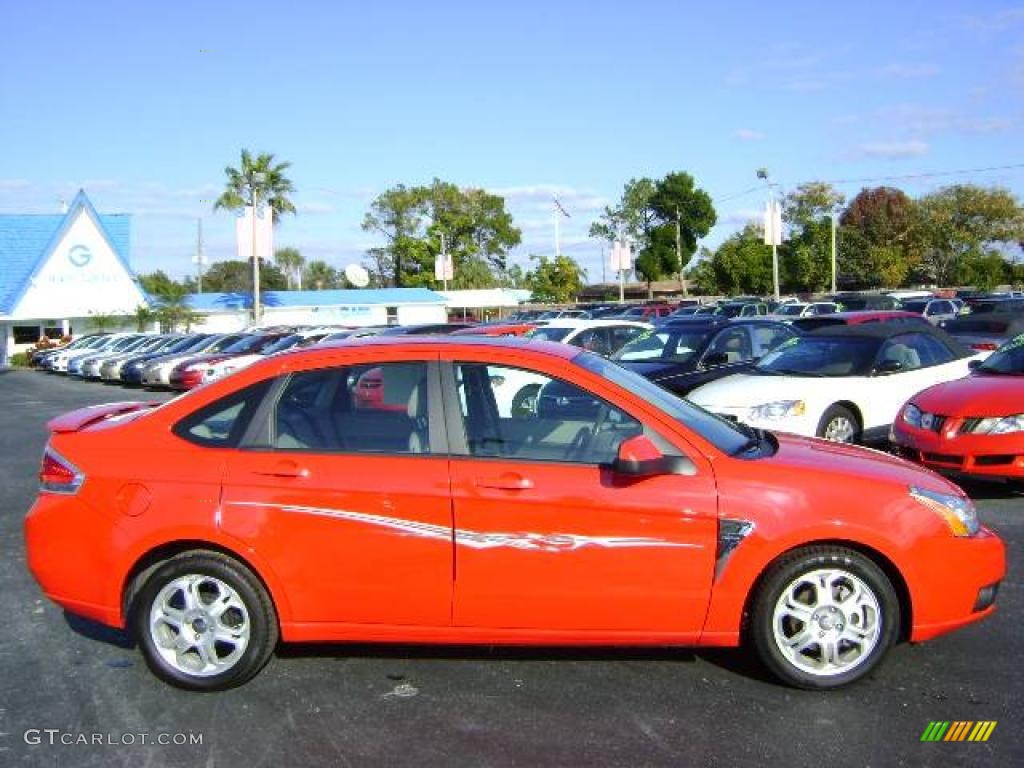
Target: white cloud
<point>895,149</point>
<point>748,134</point>
<point>908,71</point>
<point>1000,21</point>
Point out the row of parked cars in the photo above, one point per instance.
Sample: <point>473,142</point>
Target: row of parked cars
<point>844,376</point>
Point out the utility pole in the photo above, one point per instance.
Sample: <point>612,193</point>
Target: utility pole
<point>832,217</point>
<point>257,178</point>
<point>200,258</point>
<point>679,252</point>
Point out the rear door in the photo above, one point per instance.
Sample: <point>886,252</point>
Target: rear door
<point>342,486</point>
<point>548,537</point>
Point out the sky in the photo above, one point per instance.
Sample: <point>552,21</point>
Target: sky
<point>144,104</point>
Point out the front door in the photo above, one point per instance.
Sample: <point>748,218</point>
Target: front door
<point>346,495</point>
<point>548,536</point>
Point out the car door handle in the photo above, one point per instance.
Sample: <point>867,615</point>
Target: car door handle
<point>510,481</point>
<point>283,469</point>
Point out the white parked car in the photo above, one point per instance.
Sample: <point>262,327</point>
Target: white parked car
<point>843,383</point>
<point>804,309</point>
<point>158,372</point>
<point>99,344</point>
<point>300,338</point>
<point>605,337</point>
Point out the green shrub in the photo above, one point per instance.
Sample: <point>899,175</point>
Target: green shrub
<point>19,360</point>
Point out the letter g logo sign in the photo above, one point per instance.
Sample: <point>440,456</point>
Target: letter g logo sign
<point>79,255</point>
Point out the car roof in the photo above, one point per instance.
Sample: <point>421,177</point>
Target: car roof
<point>571,322</point>
<point>553,348</point>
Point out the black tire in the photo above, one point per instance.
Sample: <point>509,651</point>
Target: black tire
<point>847,565</point>
<point>257,617</point>
<point>836,415</point>
<point>525,401</point>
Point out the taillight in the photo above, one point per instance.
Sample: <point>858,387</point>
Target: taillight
<point>58,475</point>
<point>984,346</point>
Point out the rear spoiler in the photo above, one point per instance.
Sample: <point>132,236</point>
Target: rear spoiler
<point>74,421</point>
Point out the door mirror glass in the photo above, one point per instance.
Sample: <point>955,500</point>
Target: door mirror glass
<point>716,358</point>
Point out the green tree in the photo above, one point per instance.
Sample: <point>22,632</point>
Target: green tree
<point>474,224</point>
<point>556,280</point>
<point>144,317</point>
<point>964,227</point>
<point>805,259</point>
<point>156,283</point>
<point>743,263</point>
<point>682,214</point>
<point>236,277</point>
<point>630,219</point>
<point>879,238</point>
<point>257,180</point>
<point>290,262</point>
<point>101,322</point>
<point>319,275</point>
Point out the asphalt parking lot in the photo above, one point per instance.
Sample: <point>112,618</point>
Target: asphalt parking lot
<point>344,705</point>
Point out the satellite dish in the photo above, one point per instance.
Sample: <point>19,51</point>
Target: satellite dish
<point>357,275</point>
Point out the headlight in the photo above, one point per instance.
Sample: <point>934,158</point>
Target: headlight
<point>780,409</point>
<point>957,511</point>
<point>1000,425</point>
<point>912,415</point>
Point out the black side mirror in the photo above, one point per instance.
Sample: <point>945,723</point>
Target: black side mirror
<point>888,366</point>
<point>973,365</point>
<point>639,457</point>
<point>715,358</point>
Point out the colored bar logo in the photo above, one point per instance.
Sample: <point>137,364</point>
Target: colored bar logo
<point>958,730</point>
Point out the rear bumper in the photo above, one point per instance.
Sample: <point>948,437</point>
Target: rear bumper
<point>66,545</point>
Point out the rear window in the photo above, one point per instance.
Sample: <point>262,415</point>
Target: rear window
<point>222,423</point>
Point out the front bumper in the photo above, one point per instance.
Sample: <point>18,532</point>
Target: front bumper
<point>970,454</point>
<point>946,598</point>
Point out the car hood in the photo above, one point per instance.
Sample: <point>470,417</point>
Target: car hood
<point>743,390</point>
<point>811,455</point>
<point>976,395</point>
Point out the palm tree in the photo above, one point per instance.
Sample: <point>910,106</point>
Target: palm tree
<point>321,275</point>
<point>291,263</point>
<point>258,179</point>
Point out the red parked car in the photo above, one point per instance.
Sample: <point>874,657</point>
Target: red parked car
<point>974,425</point>
<point>194,371</point>
<point>268,506</point>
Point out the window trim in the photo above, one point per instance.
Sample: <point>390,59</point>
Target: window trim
<point>258,433</point>
<point>456,424</point>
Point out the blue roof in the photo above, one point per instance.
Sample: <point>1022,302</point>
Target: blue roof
<point>213,302</point>
<point>27,240</point>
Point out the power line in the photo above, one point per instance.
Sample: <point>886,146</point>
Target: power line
<point>897,177</point>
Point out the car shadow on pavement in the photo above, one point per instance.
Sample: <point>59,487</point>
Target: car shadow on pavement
<point>96,631</point>
<point>988,489</point>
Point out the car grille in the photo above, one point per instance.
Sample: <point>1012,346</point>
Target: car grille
<point>944,458</point>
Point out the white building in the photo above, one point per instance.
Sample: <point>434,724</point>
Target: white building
<point>223,312</point>
<point>57,270</point>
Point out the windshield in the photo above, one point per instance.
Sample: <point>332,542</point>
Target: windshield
<point>1007,360</point>
<point>791,309</point>
<point>286,342</point>
<point>547,333</point>
<point>915,306</point>
<point>223,343</point>
<point>249,344</point>
<point>729,310</point>
<point>721,433</point>
<point>821,356</point>
<point>675,346</point>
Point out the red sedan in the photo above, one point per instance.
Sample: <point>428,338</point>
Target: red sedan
<point>268,505</point>
<point>974,425</point>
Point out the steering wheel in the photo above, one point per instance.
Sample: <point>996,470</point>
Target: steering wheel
<point>579,444</point>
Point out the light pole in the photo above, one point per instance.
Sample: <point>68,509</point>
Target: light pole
<point>832,218</point>
<point>772,229</point>
<point>255,182</point>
